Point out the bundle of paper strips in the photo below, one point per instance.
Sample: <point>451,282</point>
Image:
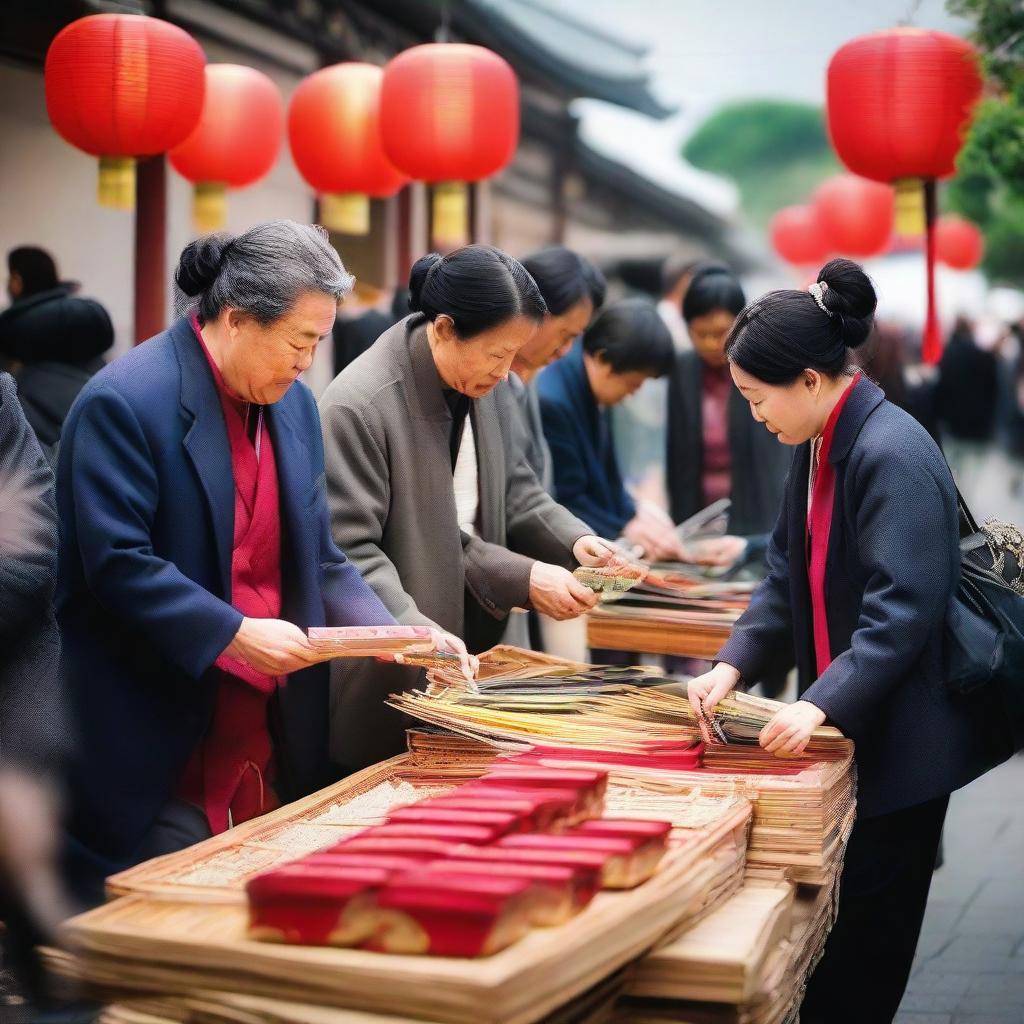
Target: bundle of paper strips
<point>177,947</point>
<point>649,738</point>
<point>745,963</point>
<point>610,581</point>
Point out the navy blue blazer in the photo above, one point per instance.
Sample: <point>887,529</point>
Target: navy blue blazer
<point>587,478</point>
<point>145,499</point>
<point>892,567</point>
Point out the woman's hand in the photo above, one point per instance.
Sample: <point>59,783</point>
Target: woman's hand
<point>555,592</point>
<point>707,690</point>
<point>272,646</point>
<point>718,551</point>
<point>595,552</point>
<point>790,730</point>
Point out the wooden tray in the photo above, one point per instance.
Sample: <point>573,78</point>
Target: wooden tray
<point>653,631</point>
<point>202,945</point>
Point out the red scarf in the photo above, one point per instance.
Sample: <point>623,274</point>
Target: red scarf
<point>230,771</point>
<point>819,525</point>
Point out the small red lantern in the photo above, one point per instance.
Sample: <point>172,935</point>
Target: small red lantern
<point>958,243</point>
<point>334,132</point>
<point>856,215</point>
<point>797,236</point>
<point>120,86</point>
<point>449,114</point>
<point>899,104</point>
<point>235,142</point>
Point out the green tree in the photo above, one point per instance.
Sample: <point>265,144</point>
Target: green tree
<point>989,186</point>
<point>775,151</point>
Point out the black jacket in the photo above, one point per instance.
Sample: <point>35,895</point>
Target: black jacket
<point>968,389</point>
<point>759,462</point>
<point>892,567</point>
<point>58,339</point>
<point>32,723</point>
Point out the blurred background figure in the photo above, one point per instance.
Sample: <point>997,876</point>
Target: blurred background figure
<point>626,345</point>
<point>33,726</point>
<point>715,448</point>
<point>676,274</point>
<point>52,340</point>
<point>966,403</point>
<point>362,319</point>
<point>574,290</point>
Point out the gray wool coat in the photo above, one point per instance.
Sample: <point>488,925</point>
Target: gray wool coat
<point>386,432</point>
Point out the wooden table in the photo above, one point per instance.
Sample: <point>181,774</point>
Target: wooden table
<point>653,631</point>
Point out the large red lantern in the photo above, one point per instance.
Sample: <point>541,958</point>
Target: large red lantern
<point>235,142</point>
<point>797,236</point>
<point>449,115</point>
<point>958,243</point>
<point>335,137</point>
<point>121,86</point>
<point>856,215</point>
<point>899,105</point>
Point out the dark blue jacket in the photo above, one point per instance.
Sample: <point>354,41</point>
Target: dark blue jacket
<point>145,499</point>
<point>587,478</point>
<point>891,570</point>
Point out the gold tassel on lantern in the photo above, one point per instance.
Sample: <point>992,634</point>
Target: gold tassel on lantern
<point>347,213</point>
<point>116,186</point>
<point>450,214</point>
<point>909,207</point>
<point>209,206</point>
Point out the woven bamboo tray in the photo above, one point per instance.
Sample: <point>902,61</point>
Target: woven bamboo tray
<point>202,945</point>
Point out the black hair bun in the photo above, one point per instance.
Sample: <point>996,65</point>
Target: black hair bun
<point>200,262</point>
<point>850,297</point>
<point>418,278</point>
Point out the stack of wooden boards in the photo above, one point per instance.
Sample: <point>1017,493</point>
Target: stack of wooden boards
<point>172,945</point>
<point>670,611</point>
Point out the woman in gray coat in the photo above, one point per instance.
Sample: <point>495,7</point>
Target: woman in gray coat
<point>430,495</point>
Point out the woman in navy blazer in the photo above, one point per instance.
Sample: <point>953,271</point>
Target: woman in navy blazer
<point>856,595</point>
<point>147,502</point>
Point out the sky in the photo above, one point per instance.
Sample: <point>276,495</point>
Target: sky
<point>705,53</point>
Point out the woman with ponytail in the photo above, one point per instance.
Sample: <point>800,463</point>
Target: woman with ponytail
<point>862,565</point>
<point>430,490</point>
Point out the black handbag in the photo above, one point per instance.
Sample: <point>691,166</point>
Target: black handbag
<point>985,621</point>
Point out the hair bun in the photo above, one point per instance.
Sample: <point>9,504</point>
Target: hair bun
<point>200,262</point>
<point>418,278</point>
<point>850,297</point>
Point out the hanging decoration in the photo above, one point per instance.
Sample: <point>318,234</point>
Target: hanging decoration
<point>236,141</point>
<point>899,105</point>
<point>797,236</point>
<point>335,138</point>
<point>120,87</point>
<point>855,214</point>
<point>449,115</point>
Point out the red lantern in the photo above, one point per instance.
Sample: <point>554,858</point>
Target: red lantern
<point>235,142</point>
<point>120,86</point>
<point>449,114</point>
<point>797,236</point>
<point>856,215</point>
<point>958,243</point>
<point>899,104</point>
<point>334,131</point>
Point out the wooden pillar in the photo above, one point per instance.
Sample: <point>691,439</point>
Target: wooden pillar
<point>150,247</point>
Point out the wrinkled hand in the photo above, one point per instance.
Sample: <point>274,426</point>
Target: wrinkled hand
<point>555,592</point>
<point>272,646</point>
<point>718,551</point>
<point>790,729</point>
<point>449,643</point>
<point>595,552</point>
<point>707,690</point>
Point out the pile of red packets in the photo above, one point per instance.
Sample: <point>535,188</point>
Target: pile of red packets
<point>465,874</point>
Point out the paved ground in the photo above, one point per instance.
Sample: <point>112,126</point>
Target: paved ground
<point>970,963</point>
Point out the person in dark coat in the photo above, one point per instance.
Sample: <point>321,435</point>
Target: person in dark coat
<point>627,344</point>
<point>195,551</point>
<point>862,565</point>
<point>54,340</point>
<point>714,449</point>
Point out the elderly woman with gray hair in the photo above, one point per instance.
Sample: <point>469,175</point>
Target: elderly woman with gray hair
<point>196,548</point>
